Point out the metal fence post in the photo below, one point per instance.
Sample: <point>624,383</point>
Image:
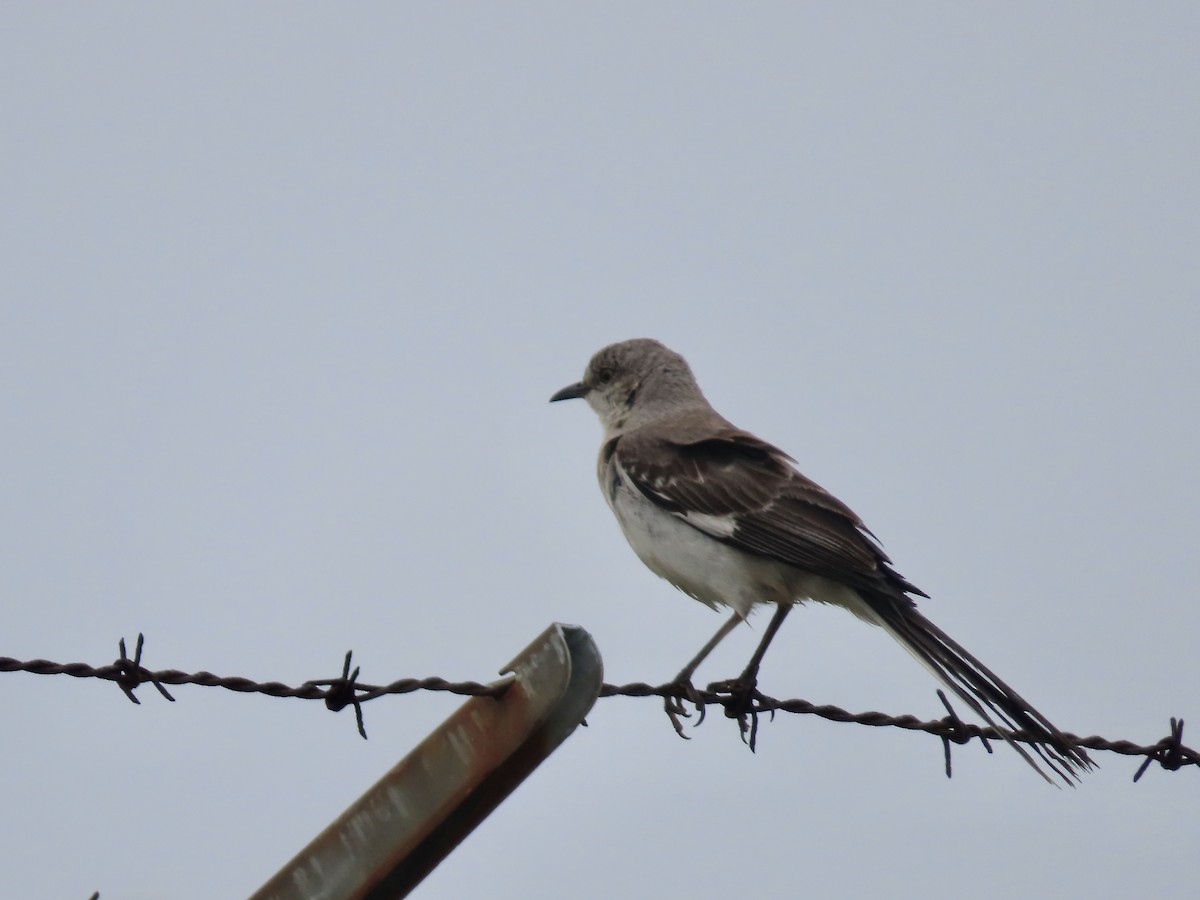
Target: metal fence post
<point>401,828</point>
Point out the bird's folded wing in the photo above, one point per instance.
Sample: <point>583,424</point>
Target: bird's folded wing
<point>745,492</point>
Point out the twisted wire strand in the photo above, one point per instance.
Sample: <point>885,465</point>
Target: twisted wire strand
<point>128,673</point>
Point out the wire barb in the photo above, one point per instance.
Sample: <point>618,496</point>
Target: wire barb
<point>1170,753</point>
<point>131,675</point>
<point>340,692</point>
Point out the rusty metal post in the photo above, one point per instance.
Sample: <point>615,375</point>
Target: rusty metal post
<point>398,831</point>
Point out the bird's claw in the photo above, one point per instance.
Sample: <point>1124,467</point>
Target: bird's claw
<point>742,701</point>
<point>682,690</point>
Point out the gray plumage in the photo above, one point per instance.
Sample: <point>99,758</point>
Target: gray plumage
<point>727,518</point>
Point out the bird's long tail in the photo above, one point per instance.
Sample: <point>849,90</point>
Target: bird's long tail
<point>977,686</point>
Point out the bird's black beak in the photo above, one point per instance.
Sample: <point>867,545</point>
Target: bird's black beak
<point>571,391</point>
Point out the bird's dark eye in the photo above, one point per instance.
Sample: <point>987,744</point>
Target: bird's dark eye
<point>604,376</point>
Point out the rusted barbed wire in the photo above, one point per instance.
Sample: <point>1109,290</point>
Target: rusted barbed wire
<point>337,693</point>
<point>1170,752</point>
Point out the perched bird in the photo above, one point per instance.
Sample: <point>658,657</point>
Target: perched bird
<point>728,519</point>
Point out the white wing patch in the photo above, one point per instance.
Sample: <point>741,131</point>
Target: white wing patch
<point>717,526</point>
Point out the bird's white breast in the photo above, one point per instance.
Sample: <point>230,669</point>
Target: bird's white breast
<point>700,566</point>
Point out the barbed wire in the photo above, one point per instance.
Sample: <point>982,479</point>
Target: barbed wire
<point>338,693</point>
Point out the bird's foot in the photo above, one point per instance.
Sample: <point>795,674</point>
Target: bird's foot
<point>682,690</point>
<point>743,701</point>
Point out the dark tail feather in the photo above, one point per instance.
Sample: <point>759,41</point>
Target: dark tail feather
<point>977,686</point>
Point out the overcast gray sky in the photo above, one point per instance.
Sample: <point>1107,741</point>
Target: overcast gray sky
<point>284,290</point>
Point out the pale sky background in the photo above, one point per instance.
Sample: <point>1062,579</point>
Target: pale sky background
<point>285,289</point>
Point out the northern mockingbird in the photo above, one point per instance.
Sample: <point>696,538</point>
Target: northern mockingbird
<point>726,518</point>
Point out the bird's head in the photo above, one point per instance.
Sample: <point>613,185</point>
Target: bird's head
<point>634,382</point>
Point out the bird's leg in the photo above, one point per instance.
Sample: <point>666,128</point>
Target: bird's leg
<point>673,704</point>
<point>743,690</point>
